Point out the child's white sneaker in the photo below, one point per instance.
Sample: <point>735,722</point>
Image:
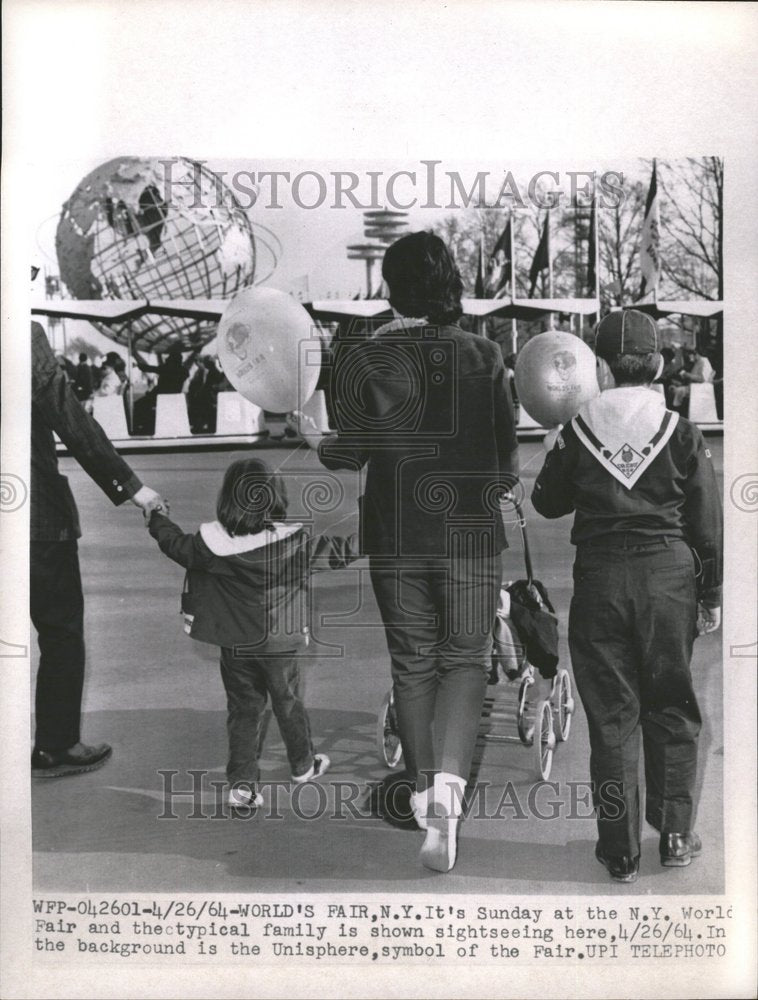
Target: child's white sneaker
<point>240,798</point>
<point>319,767</point>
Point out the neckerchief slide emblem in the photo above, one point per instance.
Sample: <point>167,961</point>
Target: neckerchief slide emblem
<point>627,460</point>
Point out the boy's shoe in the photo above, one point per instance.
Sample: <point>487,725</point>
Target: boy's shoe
<point>76,760</point>
<point>244,798</point>
<point>319,767</point>
<point>678,849</point>
<point>620,867</point>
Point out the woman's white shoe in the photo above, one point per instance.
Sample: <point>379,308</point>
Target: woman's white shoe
<point>419,802</point>
<point>443,817</point>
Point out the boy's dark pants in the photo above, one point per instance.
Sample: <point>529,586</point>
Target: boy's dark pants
<point>631,628</point>
<point>248,681</point>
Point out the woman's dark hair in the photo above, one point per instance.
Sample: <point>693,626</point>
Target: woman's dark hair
<point>635,369</point>
<point>423,279</point>
<point>252,497</point>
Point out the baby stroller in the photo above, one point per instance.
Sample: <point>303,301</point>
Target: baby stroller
<point>525,637</point>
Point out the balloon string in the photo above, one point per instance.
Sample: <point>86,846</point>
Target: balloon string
<point>532,460</point>
<point>334,524</point>
<point>293,452</point>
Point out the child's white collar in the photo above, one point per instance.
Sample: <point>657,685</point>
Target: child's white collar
<point>221,543</point>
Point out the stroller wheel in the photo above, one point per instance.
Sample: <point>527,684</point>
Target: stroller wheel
<point>544,738</point>
<point>565,706</point>
<point>523,723</point>
<point>388,732</point>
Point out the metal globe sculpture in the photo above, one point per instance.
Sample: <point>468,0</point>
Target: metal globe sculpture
<point>138,228</point>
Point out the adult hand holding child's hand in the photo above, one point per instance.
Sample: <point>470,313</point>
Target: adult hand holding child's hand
<point>149,500</point>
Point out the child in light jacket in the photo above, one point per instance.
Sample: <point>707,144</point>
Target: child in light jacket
<point>246,591</point>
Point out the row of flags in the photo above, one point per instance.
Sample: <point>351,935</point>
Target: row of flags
<point>495,280</point>
<point>495,277</point>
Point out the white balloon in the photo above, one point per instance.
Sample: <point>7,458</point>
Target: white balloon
<point>555,376</point>
<point>269,349</point>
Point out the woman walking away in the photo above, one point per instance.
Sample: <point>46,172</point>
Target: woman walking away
<point>426,408</point>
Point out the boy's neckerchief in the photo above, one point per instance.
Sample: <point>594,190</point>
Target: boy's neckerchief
<point>625,429</point>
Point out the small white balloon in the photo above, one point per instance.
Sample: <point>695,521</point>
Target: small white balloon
<point>269,349</point>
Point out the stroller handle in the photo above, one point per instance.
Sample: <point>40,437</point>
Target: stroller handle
<point>512,499</point>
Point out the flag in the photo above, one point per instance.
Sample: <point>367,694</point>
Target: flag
<point>650,241</point>
<point>592,251</point>
<point>500,266</point>
<point>479,292</point>
<point>542,256</point>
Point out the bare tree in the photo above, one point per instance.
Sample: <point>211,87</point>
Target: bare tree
<point>618,246</point>
<point>692,251</point>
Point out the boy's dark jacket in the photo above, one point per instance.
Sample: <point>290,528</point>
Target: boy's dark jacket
<point>676,496</point>
<point>250,590</point>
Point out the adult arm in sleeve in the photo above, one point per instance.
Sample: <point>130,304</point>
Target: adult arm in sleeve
<point>56,402</point>
<point>704,522</point>
<point>189,551</point>
<point>505,422</point>
<point>338,452</point>
<point>333,551</point>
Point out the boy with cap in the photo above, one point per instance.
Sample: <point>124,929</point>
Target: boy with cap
<point>647,580</point>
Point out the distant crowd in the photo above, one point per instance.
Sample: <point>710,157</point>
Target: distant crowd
<point>682,367</point>
<point>201,380</point>
<point>197,376</point>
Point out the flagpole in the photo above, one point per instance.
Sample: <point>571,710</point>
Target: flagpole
<point>657,277</point>
<point>549,266</point>
<point>129,386</point>
<point>482,320</point>
<point>512,289</point>
<point>596,251</point>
